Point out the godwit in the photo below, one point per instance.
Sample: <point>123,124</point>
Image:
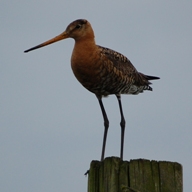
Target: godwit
<point>101,70</point>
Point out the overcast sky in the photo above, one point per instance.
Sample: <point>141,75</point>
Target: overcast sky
<point>51,128</point>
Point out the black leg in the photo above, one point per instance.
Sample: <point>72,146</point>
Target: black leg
<point>122,123</point>
<point>106,125</point>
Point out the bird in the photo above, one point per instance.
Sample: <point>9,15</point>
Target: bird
<point>101,71</point>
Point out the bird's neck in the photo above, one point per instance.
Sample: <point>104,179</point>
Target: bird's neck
<point>83,49</point>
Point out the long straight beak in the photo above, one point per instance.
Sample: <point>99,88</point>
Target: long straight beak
<point>62,36</point>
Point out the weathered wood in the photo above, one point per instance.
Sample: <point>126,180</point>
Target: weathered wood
<point>141,175</point>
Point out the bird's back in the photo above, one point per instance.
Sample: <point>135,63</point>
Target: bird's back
<point>123,76</point>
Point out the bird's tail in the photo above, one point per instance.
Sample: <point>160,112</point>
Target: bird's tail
<point>151,77</point>
<point>148,77</point>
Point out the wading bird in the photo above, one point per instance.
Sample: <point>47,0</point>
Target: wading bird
<point>101,70</point>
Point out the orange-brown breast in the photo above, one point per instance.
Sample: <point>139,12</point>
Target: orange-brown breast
<point>85,63</point>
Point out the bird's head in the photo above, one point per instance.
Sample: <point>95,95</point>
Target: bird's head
<point>78,30</point>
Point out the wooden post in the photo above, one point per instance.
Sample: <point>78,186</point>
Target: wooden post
<point>140,175</point>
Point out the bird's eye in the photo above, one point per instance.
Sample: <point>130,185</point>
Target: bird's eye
<point>78,26</point>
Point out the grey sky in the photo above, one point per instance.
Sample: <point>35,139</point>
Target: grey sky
<point>51,127</point>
